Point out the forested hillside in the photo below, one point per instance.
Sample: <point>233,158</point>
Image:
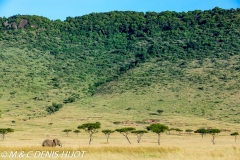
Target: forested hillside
<point>82,55</point>
<point>97,48</point>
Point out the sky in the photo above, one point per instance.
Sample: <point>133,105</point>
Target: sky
<point>60,9</point>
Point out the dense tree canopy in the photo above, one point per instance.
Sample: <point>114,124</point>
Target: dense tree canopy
<point>98,47</point>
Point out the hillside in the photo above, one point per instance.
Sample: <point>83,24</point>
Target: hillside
<point>206,88</point>
<point>181,63</point>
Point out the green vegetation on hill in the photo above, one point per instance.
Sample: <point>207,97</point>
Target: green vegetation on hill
<point>98,47</point>
<point>204,88</point>
<point>193,57</point>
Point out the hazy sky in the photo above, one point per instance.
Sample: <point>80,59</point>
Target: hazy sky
<point>60,9</point>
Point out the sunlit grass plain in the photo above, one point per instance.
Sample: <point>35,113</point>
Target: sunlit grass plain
<point>29,135</point>
<point>172,147</point>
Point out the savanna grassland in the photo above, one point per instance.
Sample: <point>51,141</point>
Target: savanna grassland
<point>122,69</point>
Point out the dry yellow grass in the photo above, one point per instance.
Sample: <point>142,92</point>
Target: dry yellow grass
<point>29,135</point>
<point>173,147</point>
<point>190,152</point>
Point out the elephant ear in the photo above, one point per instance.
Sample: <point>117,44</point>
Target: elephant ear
<point>57,142</point>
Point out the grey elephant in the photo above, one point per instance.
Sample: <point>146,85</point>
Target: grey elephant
<point>51,143</point>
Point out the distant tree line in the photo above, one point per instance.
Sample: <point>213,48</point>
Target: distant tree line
<point>92,128</point>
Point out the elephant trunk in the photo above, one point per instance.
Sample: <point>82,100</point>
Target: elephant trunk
<point>57,142</point>
<point>60,144</point>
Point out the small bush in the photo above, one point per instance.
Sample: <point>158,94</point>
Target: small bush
<point>69,100</point>
<point>54,108</point>
<point>160,111</point>
<point>13,92</point>
<point>116,122</point>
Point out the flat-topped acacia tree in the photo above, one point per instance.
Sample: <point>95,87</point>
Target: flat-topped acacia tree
<point>157,128</point>
<point>213,132</point>
<point>107,133</point>
<point>77,132</point>
<point>125,132</point>
<point>139,134</point>
<point>50,124</point>
<point>90,128</point>
<point>189,131</point>
<point>169,130</point>
<point>202,131</point>
<point>4,131</point>
<point>235,134</point>
<point>67,131</point>
<point>178,130</point>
